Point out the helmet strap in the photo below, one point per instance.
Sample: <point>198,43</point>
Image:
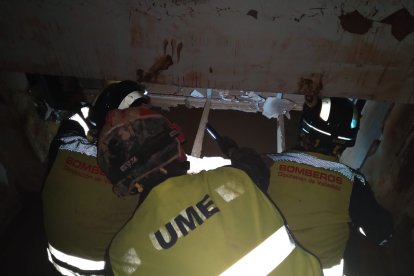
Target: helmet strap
<point>164,171</point>
<point>337,150</point>
<point>317,143</point>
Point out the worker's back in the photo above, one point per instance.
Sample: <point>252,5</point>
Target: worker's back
<point>81,212</point>
<point>211,223</point>
<point>318,195</point>
<point>314,197</point>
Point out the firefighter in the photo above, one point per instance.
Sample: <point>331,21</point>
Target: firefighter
<point>81,213</point>
<point>214,222</point>
<point>320,196</point>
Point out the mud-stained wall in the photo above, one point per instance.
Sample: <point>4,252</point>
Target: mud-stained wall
<point>353,48</point>
<point>23,166</point>
<point>390,168</point>
<point>23,147</point>
<point>371,127</point>
<point>19,102</point>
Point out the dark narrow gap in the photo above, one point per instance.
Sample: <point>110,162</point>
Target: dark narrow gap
<point>247,129</point>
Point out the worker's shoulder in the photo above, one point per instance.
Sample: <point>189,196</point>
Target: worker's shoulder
<point>202,180</point>
<point>224,173</point>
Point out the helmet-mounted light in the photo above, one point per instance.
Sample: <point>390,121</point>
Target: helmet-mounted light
<point>355,119</point>
<point>325,109</point>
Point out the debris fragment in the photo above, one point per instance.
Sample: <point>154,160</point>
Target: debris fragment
<point>355,23</point>
<point>196,94</point>
<point>275,107</point>
<point>225,95</point>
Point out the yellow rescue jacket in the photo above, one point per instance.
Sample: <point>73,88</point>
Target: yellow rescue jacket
<point>208,224</point>
<point>313,192</point>
<point>81,213</point>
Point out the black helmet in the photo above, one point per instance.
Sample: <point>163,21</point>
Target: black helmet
<point>332,121</point>
<point>119,95</point>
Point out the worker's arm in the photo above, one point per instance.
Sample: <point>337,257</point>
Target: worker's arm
<point>247,160</point>
<point>366,213</point>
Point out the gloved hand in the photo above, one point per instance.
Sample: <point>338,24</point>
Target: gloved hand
<point>253,164</point>
<point>227,145</point>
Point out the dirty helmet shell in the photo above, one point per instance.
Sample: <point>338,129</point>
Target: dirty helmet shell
<point>135,142</point>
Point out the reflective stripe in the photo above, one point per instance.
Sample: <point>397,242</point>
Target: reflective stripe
<point>81,121</point>
<point>211,133</point>
<point>344,138</point>
<point>78,262</point>
<point>305,130</point>
<point>265,257</point>
<point>59,268</point>
<point>336,270</point>
<point>66,271</point>
<point>78,144</point>
<point>62,270</point>
<point>230,191</point>
<point>129,99</point>
<point>317,129</point>
<point>306,159</point>
<point>361,230</point>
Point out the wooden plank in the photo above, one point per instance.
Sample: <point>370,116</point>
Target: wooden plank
<point>281,144</point>
<point>198,142</point>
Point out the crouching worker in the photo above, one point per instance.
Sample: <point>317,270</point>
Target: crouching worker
<point>320,196</point>
<point>216,222</point>
<point>81,213</point>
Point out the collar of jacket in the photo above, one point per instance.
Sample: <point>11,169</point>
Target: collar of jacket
<point>319,155</point>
